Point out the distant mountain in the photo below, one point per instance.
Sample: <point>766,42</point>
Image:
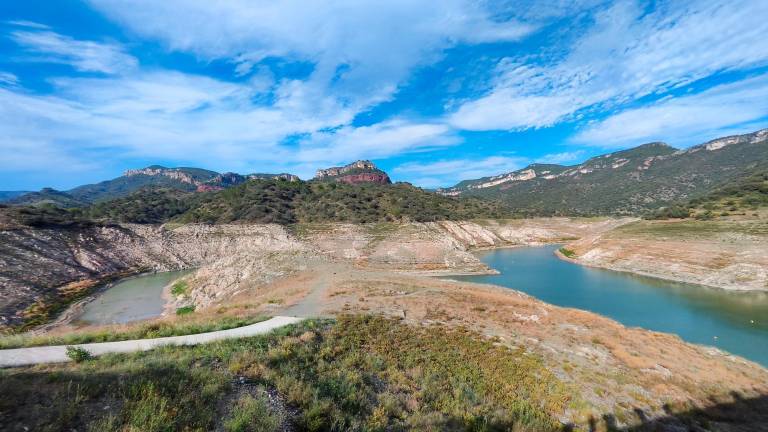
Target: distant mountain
<point>626,182</point>
<point>47,196</point>
<point>6,195</point>
<point>362,171</point>
<point>182,179</point>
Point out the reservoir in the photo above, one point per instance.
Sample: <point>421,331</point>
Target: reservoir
<point>736,322</point>
<point>132,299</point>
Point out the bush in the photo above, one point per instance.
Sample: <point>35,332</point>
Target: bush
<point>78,354</point>
<point>567,252</point>
<point>185,310</point>
<point>251,414</point>
<point>179,288</point>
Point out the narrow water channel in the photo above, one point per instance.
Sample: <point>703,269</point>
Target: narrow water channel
<point>133,299</point>
<point>736,322</point>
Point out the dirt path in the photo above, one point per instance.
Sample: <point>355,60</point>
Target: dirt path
<point>311,304</point>
<point>58,353</point>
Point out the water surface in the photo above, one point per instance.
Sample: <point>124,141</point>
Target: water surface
<point>133,299</point>
<point>736,322</point>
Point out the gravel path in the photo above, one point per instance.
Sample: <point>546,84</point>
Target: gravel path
<point>58,353</point>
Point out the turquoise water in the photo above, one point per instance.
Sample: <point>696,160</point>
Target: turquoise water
<point>133,299</point>
<point>736,322</point>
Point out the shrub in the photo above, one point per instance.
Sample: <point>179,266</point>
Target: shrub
<point>78,354</point>
<point>251,414</point>
<point>567,252</point>
<point>185,310</point>
<point>179,288</point>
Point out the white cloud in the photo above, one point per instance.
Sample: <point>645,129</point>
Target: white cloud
<point>562,158</point>
<point>28,24</point>
<point>380,140</point>
<point>8,79</point>
<point>625,55</point>
<point>87,56</point>
<point>737,107</point>
<point>448,172</point>
<point>361,51</point>
<point>195,120</point>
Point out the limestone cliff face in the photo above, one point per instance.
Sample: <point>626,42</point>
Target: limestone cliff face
<point>730,255</point>
<point>172,173</point>
<point>362,171</point>
<point>37,264</point>
<point>204,180</point>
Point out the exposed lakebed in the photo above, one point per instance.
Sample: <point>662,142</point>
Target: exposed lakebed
<point>736,322</point>
<point>132,299</point>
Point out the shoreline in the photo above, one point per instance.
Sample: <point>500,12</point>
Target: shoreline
<point>657,276</point>
<point>68,316</point>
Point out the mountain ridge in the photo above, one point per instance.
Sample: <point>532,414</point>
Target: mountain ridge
<point>628,181</point>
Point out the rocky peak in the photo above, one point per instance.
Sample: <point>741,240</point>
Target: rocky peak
<point>362,171</point>
<point>157,170</point>
<point>281,176</point>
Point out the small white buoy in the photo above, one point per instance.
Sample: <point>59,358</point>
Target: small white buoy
<point>715,337</point>
<point>751,321</point>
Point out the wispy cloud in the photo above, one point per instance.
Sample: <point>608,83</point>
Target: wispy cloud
<point>626,54</point>
<point>361,51</point>
<point>448,172</point>
<point>737,107</point>
<point>562,158</point>
<point>49,47</point>
<point>197,120</point>
<point>8,79</point>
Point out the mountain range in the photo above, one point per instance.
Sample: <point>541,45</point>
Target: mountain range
<point>182,179</point>
<point>633,181</point>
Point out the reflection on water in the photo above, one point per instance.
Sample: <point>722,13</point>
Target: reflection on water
<point>733,321</point>
<point>132,299</point>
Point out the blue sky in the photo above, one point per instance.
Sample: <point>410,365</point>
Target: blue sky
<point>433,94</point>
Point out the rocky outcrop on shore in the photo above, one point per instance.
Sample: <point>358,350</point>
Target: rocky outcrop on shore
<point>721,254</point>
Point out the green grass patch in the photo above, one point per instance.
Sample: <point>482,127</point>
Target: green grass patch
<point>179,288</point>
<point>567,252</point>
<point>78,354</point>
<point>185,310</point>
<point>251,414</point>
<point>142,331</point>
<point>359,373</point>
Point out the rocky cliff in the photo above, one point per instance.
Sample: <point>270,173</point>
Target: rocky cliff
<point>362,171</point>
<point>727,254</point>
<point>40,267</point>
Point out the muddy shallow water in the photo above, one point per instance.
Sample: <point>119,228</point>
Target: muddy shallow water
<point>132,299</point>
<point>736,322</point>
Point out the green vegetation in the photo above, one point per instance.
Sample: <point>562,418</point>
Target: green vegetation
<point>126,185</point>
<point>251,414</point>
<point>185,310</point>
<point>179,288</point>
<point>144,206</point>
<point>636,181</point>
<point>42,216</point>
<point>142,331</point>
<point>47,196</point>
<point>748,193</point>
<point>567,252</point>
<point>692,228</point>
<point>335,376</point>
<point>671,212</point>
<point>739,196</point>
<point>273,201</point>
<point>78,354</point>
